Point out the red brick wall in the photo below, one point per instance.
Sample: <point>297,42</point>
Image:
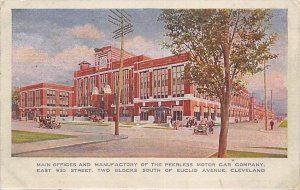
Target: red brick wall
<point>136,85</point>
<point>163,61</point>
<point>44,97</point>
<point>151,84</point>
<point>170,82</point>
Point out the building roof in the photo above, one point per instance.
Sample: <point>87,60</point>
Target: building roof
<point>46,85</point>
<point>163,61</point>
<point>84,62</point>
<point>115,52</point>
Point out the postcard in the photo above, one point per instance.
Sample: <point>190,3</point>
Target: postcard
<point>152,94</point>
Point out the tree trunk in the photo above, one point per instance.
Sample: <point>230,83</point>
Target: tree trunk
<point>226,96</point>
<point>224,130</point>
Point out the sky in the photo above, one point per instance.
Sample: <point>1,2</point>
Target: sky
<point>49,44</point>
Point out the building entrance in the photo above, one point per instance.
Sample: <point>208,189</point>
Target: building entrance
<point>160,116</point>
<point>177,115</point>
<point>30,115</point>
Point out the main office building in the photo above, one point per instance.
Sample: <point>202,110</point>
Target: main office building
<point>154,91</point>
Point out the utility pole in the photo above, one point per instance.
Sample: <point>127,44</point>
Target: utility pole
<point>120,19</point>
<point>265,88</point>
<point>271,100</point>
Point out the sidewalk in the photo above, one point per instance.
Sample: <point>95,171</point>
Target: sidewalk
<point>151,141</point>
<point>82,137</point>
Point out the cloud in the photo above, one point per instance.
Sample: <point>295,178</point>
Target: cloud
<point>140,45</point>
<point>58,68</point>
<point>27,54</point>
<point>87,31</point>
<point>70,58</point>
<point>275,80</point>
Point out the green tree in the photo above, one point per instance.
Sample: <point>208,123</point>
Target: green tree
<point>223,46</point>
<point>15,98</point>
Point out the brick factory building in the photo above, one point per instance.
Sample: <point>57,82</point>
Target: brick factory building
<point>45,99</point>
<point>154,91</point>
<point>257,111</point>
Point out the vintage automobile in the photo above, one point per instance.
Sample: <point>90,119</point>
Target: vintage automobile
<point>48,122</point>
<point>203,129</point>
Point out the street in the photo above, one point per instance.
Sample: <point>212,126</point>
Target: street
<point>139,141</point>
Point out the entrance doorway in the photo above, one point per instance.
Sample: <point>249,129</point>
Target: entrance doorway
<point>160,116</point>
<point>177,115</point>
<point>30,115</point>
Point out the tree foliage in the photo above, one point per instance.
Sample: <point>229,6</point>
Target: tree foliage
<point>223,46</point>
<point>201,33</point>
<point>15,97</point>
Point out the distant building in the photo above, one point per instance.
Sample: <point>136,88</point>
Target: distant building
<point>45,99</point>
<point>257,111</point>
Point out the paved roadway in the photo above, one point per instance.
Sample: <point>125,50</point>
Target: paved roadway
<point>149,142</point>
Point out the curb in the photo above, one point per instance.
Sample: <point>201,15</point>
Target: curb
<point>73,145</point>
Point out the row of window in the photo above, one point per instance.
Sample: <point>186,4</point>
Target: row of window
<point>233,113</point>
<point>240,101</point>
<point>204,96</point>
<point>83,92</point>
<point>160,86</point>
<point>177,115</point>
<point>160,83</point>
<point>125,98</point>
<point>62,113</point>
<point>63,98</point>
<point>83,98</point>
<point>160,89</point>
<point>33,99</point>
<point>51,98</point>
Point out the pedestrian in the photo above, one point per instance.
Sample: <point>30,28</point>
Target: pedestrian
<point>210,125</point>
<point>271,124</point>
<point>170,123</point>
<point>187,122</point>
<point>176,124</point>
<point>192,121</point>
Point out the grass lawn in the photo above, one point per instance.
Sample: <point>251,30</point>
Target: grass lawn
<point>168,128</point>
<point>284,124</point>
<point>265,147</point>
<point>127,123</point>
<point>242,154</point>
<point>128,126</point>
<point>26,136</point>
<point>86,123</point>
<point>158,126</point>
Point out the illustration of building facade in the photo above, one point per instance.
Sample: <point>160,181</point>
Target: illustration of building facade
<point>154,91</point>
<point>45,99</point>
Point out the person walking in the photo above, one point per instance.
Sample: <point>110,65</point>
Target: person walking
<point>170,123</point>
<point>210,125</point>
<point>271,124</point>
<point>191,122</point>
<point>176,124</point>
<point>187,122</point>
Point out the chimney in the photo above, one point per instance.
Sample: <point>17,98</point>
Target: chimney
<point>84,65</point>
